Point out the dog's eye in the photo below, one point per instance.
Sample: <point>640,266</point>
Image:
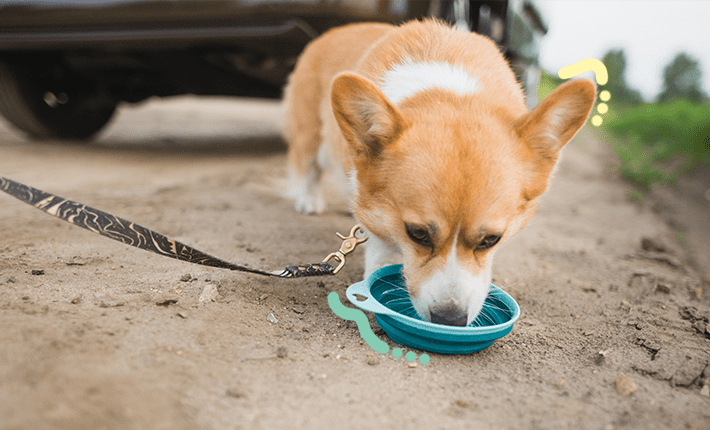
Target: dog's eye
<point>418,234</point>
<point>488,242</point>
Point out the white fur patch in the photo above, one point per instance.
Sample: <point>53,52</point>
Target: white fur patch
<point>409,78</point>
<point>378,254</point>
<point>353,187</point>
<point>454,285</point>
<point>305,189</point>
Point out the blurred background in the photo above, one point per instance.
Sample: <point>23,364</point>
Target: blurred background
<point>658,61</point>
<point>66,65</point>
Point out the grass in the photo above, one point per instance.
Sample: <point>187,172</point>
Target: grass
<point>655,142</point>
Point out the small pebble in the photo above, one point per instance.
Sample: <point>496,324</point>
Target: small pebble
<point>705,391</point>
<point>701,326</point>
<point>624,385</point>
<point>76,300</point>
<point>182,314</point>
<point>372,361</point>
<point>38,272</point>
<point>663,288</point>
<point>236,393</point>
<point>281,352</point>
<point>696,293</point>
<point>166,302</point>
<point>648,244</point>
<point>642,281</point>
<point>186,277</point>
<point>411,365</point>
<point>110,304</point>
<point>560,383</point>
<point>271,318</point>
<point>601,356</point>
<point>209,294</point>
<point>625,304</point>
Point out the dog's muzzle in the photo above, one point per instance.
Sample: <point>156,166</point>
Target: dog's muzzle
<point>449,316</point>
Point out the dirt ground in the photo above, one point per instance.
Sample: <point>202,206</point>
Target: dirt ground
<point>607,288</point>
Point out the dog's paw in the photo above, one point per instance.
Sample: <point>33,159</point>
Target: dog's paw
<point>310,205</point>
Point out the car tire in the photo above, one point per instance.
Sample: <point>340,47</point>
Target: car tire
<point>48,108</point>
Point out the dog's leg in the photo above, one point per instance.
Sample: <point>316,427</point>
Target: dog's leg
<point>304,188</point>
<point>303,133</point>
<point>378,254</point>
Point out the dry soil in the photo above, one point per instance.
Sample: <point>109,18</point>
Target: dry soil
<point>98,335</point>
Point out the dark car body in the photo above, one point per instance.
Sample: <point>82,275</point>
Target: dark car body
<point>64,65</point>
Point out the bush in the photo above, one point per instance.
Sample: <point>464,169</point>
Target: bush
<point>655,142</point>
<point>678,127</point>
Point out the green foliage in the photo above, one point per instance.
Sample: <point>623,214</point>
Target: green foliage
<point>655,142</point>
<point>654,137</point>
<point>678,127</point>
<point>548,84</point>
<point>641,164</point>
<point>636,197</point>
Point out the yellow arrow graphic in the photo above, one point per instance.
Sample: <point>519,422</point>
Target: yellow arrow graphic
<point>582,66</point>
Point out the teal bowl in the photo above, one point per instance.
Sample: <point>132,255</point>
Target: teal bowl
<point>384,293</point>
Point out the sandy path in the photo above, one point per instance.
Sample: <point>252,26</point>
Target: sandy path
<point>85,346</point>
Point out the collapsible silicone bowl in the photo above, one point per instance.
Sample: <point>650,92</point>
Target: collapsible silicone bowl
<point>386,296</point>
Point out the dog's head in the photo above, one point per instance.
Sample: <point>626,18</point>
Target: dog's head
<point>447,179</point>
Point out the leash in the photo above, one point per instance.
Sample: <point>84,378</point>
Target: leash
<point>132,234</point>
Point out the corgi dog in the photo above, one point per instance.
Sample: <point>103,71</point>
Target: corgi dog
<point>445,161</point>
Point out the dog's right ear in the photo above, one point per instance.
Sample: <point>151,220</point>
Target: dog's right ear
<point>367,119</point>
<point>551,125</point>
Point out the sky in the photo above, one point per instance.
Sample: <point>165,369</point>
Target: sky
<point>650,32</point>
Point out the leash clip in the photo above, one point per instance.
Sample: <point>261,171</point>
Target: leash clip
<point>349,244</point>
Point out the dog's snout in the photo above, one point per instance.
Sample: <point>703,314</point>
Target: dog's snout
<point>449,316</point>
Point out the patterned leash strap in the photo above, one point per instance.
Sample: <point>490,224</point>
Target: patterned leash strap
<point>136,235</point>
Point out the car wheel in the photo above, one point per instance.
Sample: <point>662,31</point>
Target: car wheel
<point>49,105</point>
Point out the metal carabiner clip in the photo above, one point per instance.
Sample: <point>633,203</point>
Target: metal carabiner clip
<point>349,244</point>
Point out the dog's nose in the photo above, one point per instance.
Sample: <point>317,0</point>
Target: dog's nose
<point>449,316</point>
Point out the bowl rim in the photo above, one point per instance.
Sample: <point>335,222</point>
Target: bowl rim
<point>371,304</point>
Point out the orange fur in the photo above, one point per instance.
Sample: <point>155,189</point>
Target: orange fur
<point>465,165</point>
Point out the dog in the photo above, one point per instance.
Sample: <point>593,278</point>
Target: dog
<point>444,162</point>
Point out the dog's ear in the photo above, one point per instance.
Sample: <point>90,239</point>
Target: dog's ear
<point>551,125</point>
<point>367,119</point>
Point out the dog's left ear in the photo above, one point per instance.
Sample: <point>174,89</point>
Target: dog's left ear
<point>551,125</point>
<point>367,119</point>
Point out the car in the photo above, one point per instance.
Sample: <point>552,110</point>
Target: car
<point>65,65</point>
